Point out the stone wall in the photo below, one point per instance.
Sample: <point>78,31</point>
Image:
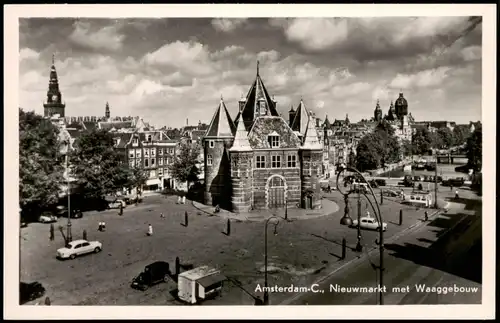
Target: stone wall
<point>241,176</point>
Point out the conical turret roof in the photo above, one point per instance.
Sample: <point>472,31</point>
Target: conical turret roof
<point>311,140</point>
<point>241,142</point>
<point>221,124</point>
<point>301,118</point>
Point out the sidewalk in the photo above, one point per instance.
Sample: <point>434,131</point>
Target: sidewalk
<point>328,207</point>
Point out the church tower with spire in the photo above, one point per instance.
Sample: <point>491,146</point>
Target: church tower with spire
<point>378,112</point>
<point>107,113</point>
<point>54,104</point>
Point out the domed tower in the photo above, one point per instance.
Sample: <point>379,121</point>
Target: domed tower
<point>391,115</point>
<point>378,112</point>
<point>401,106</point>
<point>54,104</point>
<point>216,143</point>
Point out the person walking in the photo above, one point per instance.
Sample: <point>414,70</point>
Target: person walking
<point>426,215</point>
<point>100,227</point>
<point>150,230</point>
<point>161,215</point>
<point>51,237</point>
<point>456,194</point>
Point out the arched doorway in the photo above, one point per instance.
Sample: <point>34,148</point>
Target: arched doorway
<point>276,190</point>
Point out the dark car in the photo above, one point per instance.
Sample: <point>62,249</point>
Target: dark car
<point>75,213</point>
<point>373,183</point>
<point>430,167</point>
<point>417,178</point>
<point>153,274</point>
<point>381,182</point>
<point>30,291</point>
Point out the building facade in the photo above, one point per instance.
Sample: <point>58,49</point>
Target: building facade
<point>259,161</point>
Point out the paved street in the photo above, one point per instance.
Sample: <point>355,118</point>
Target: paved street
<point>303,251</point>
<point>446,252</point>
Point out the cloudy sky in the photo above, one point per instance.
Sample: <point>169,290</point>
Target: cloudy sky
<point>170,70</point>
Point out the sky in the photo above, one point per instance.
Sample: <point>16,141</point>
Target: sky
<point>173,71</point>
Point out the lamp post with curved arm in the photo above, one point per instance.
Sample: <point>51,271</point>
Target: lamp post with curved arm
<point>346,220</point>
<point>65,150</point>
<point>266,293</point>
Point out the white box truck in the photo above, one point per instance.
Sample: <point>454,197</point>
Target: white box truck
<point>199,283</point>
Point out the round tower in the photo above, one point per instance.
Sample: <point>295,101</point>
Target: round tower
<point>378,112</point>
<point>401,106</point>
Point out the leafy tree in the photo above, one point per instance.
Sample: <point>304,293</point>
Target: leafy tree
<point>98,167</point>
<point>421,141</point>
<point>407,148</point>
<point>474,149</point>
<point>40,168</point>
<point>460,135</point>
<point>368,153</point>
<point>137,177</point>
<point>445,137</point>
<point>436,141</point>
<point>389,145</point>
<point>184,167</point>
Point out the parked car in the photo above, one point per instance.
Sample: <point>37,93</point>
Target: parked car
<point>430,167</point>
<point>390,193</point>
<point>47,217</point>
<point>153,274</point>
<point>116,204</point>
<point>373,183</point>
<point>439,179</point>
<point>417,178</point>
<point>369,223</point>
<point>30,291</point>
<point>381,182</point>
<point>455,182</point>
<point>77,248</point>
<point>63,212</point>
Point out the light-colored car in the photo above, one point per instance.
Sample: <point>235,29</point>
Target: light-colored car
<point>77,248</point>
<point>47,218</point>
<point>116,204</point>
<point>369,223</point>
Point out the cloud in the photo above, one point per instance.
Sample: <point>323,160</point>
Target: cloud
<point>315,33</point>
<point>471,53</point>
<point>105,38</point>
<point>227,24</point>
<point>427,78</point>
<point>353,89</point>
<point>28,53</point>
<point>192,57</point>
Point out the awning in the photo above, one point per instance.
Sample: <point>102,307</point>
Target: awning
<point>154,181</point>
<point>208,281</point>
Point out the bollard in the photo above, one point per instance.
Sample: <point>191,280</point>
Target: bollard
<point>344,248</point>
<point>228,229</point>
<point>401,217</point>
<point>121,209</point>
<point>381,198</point>
<point>52,237</point>
<point>177,266</point>
<point>47,301</point>
<point>84,234</point>
<point>186,218</point>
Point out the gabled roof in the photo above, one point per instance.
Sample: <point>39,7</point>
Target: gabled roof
<point>221,124</point>
<point>241,142</point>
<point>327,123</point>
<point>257,91</point>
<point>266,125</point>
<point>301,118</point>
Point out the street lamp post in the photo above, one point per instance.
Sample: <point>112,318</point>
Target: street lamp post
<point>378,214</point>
<point>64,150</point>
<point>266,293</point>
<point>359,247</point>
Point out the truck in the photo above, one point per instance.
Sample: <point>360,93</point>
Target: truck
<point>199,284</point>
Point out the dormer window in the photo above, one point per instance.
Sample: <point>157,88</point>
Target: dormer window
<point>135,141</point>
<point>148,138</point>
<point>211,144</point>
<point>274,140</point>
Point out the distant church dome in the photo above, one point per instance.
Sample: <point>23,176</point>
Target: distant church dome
<point>401,106</point>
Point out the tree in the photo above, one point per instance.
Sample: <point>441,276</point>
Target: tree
<point>389,145</point>
<point>445,137</point>
<point>368,153</point>
<point>98,167</point>
<point>474,149</point>
<point>460,135</point>
<point>137,177</point>
<point>40,168</point>
<point>407,147</point>
<point>421,141</point>
<point>184,167</point>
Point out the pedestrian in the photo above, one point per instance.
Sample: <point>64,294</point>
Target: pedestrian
<point>451,188</point>
<point>51,232</point>
<point>161,215</point>
<point>456,194</point>
<point>100,227</point>
<point>426,214</point>
<point>179,199</point>
<point>150,230</point>
<point>217,209</point>
<point>103,226</point>
<point>184,199</point>
<point>329,188</point>
<point>84,234</point>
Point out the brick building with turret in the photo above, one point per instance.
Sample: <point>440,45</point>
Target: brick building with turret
<point>259,160</point>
